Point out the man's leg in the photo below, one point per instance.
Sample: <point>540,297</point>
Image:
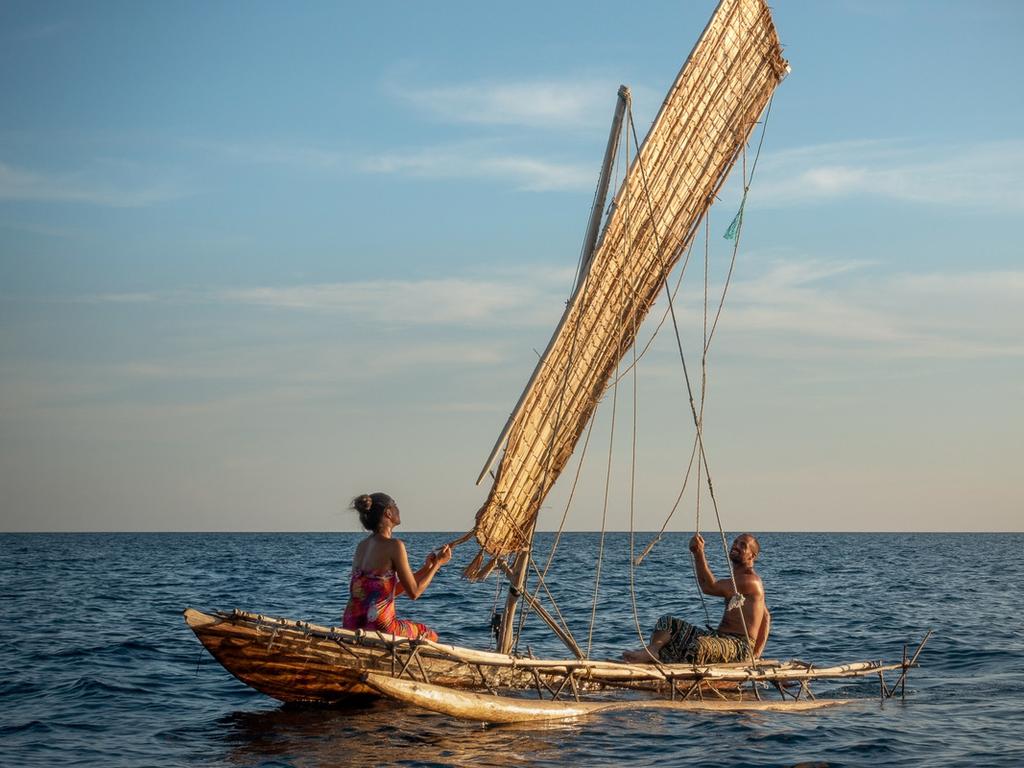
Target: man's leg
<point>649,653</point>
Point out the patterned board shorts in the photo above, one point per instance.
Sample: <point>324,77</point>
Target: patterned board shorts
<point>690,645</point>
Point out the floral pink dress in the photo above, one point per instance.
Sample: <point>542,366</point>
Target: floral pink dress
<point>372,606</point>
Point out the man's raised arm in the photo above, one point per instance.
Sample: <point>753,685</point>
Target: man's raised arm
<point>708,584</point>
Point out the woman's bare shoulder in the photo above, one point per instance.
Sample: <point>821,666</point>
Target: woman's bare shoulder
<point>397,546</point>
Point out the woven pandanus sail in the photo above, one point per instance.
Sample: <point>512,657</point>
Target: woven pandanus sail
<point>695,140</point>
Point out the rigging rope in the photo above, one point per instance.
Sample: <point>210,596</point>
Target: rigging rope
<point>611,446</point>
<point>549,449</point>
<point>568,503</point>
<point>714,325</point>
<point>632,462</point>
<point>697,419</point>
<point>494,611</point>
<point>561,525</point>
<point>733,233</point>
<point>664,315</point>
<point>703,395</point>
<point>590,426</point>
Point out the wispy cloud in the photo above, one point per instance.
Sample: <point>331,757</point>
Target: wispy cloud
<point>985,286</point>
<point>940,315</point>
<point>795,297</point>
<point>553,105</point>
<point>982,176</point>
<point>439,302</point>
<point>795,307</point>
<point>544,103</point>
<point>482,160</point>
<point>550,105</point>
<point>521,297</point>
<point>106,183</point>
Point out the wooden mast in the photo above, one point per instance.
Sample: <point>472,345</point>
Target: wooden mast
<point>515,589</point>
<point>590,241</point>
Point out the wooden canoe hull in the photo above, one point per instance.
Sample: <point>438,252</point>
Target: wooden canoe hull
<point>291,664</point>
<point>294,661</point>
<point>276,666</point>
<point>297,662</point>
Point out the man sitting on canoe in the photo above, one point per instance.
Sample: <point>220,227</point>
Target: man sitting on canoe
<point>743,631</point>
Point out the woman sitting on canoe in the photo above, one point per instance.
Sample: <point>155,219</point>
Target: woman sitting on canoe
<point>381,572</point>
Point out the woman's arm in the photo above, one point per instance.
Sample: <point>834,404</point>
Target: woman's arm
<point>413,584</point>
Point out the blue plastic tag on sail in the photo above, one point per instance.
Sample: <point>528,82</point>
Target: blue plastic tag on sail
<point>730,233</point>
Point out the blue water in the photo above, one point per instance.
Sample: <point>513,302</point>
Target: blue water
<point>97,667</point>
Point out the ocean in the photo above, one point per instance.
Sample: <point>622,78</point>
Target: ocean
<point>97,667</point>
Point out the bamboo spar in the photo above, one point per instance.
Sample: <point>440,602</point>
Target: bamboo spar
<point>706,118</point>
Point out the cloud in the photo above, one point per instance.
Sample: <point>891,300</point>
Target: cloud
<point>477,160</point>
<point>438,302</point>
<point>546,103</point>
<point>106,183</point>
<point>549,105</point>
<point>795,308</point>
<point>553,105</point>
<point>794,297</point>
<point>985,286</point>
<point>522,297</point>
<point>938,315</point>
<point>987,176</point>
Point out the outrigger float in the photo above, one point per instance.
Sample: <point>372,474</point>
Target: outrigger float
<point>670,182</point>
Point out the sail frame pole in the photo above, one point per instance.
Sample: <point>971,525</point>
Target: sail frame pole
<point>590,246</point>
<point>611,150</point>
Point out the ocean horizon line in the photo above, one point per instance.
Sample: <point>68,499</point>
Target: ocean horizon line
<point>459,533</point>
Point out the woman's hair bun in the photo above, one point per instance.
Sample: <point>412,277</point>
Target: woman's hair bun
<point>371,508</point>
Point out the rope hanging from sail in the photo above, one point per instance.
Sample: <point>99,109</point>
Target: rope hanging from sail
<point>702,465</point>
<point>579,467</point>
<point>747,182</point>
<point>698,418</point>
<point>582,285</point>
<point>707,116</point>
<point>703,397</point>
<point>604,504</point>
<point>632,457</point>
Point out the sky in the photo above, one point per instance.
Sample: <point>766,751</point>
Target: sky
<point>257,258</point>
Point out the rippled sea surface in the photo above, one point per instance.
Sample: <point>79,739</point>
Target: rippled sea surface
<point>97,666</point>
